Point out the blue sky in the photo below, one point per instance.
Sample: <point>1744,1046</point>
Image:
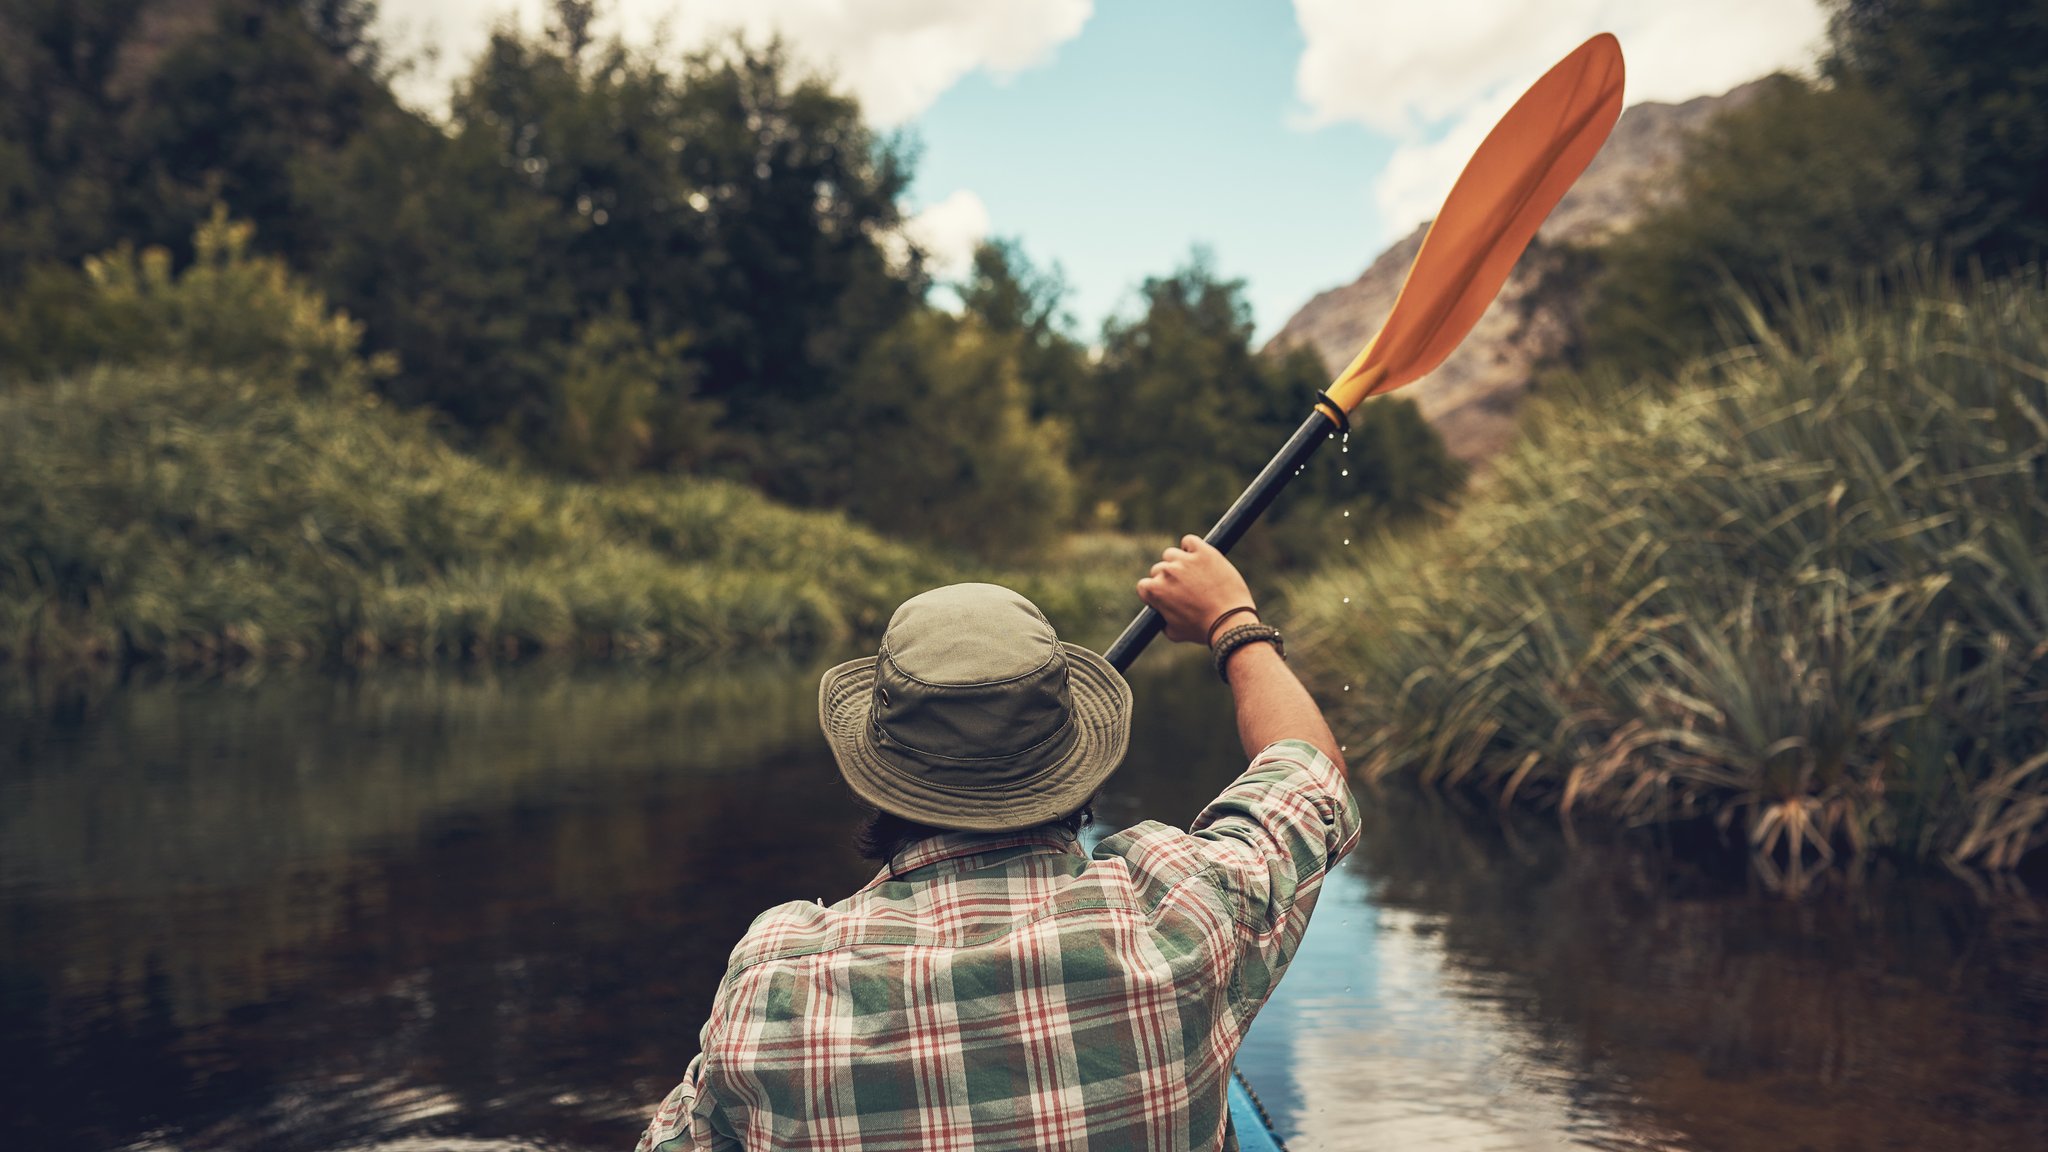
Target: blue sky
<point>1165,124</point>
<point>1294,140</point>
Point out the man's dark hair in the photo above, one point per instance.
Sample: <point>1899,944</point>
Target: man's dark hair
<point>883,834</point>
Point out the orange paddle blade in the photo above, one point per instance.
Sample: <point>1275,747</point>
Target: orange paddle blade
<point>1507,189</point>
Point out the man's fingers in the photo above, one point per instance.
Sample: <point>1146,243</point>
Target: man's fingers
<point>1191,542</point>
<point>1158,568</point>
<point>1175,554</point>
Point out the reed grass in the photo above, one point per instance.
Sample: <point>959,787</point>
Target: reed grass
<point>1800,590</point>
<point>191,516</point>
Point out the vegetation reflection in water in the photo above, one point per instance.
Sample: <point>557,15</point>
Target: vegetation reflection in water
<point>449,911</point>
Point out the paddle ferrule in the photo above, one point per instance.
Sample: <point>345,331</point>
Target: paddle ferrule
<point>1334,411</point>
<point>1272,478</point>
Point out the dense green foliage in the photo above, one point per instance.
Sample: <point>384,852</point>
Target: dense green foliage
<point>227,485</point>
<point>1927,135</point>
<point>604,262</point>
<point>163,512</point>
<point>1801,590</point>
<point>1966,79</point>
<point>126,120</point>
<point>1182,373</point>
<point>228,308</point>
<point>1804,185</point>
<point>192,515</point>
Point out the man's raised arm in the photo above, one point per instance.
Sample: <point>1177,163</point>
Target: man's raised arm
<point>1203,598</point>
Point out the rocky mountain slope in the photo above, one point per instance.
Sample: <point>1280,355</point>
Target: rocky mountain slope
<point>1474,398</point>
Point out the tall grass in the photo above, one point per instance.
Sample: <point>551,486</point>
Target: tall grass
<point>1801,590</point>
<point>192,516</point>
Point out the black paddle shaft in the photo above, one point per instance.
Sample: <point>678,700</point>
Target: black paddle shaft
<point>1277,472</point>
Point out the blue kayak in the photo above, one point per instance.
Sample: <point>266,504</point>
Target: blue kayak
<point>1248,1117</point>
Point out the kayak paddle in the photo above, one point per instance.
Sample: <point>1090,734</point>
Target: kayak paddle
<point>1507,189</point>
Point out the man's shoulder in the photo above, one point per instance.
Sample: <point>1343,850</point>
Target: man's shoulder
<point>1159,858</point>
<point>807,928</point>
<point>798,928</point>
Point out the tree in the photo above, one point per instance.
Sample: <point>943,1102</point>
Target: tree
<point>797,192</point>
<point>1967,78</point>
<point>622,404</point>
<point>1927,134</point>
<point>1181,415</point>
<point>128,120</point>
<point>725,207</point>
<point>935,439</point>
<point>62,174</point>
<point>1171,426</point>
<point>1012,297</point>
<point>1808,185</point>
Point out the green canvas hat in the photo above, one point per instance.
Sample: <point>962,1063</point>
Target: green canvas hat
<point>975,715</point>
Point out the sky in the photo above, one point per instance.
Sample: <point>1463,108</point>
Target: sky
<point>1291,141</point>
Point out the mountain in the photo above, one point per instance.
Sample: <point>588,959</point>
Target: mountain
<point>1474,398</point>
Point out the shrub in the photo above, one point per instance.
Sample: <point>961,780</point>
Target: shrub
<point>231,309</point>
<point>173,513</point>
<point>1807,184</point>
<point>622,404</point>
<point>935,440</point>
<point>1802,592</point>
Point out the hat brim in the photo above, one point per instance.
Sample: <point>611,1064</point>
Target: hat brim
<point>1101,702</point>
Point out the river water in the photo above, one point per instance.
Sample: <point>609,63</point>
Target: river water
<point>480,912</point>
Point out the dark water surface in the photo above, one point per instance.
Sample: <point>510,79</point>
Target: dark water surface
<point>487,912</point>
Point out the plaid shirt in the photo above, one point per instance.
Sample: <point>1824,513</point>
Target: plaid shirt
<point>1004,991</point>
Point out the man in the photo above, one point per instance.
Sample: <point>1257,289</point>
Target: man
<point>993,987</point>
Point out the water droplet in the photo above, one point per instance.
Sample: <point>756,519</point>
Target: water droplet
<point>1347,687</point>
<point>1342,747</point>
<point>1347,513</point>
<point>1347,541</point>
<point>1347,599</point>
<point>1345,472</point>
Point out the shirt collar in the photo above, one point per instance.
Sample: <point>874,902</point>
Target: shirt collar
<point>961,848</point>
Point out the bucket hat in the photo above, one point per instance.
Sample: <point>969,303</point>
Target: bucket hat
<point>974,715</point>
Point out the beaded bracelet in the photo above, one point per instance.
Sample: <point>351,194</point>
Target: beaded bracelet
<point>1242,635</point>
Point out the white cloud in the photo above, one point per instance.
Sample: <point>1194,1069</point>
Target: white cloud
<point>897,56</point>
<point>1436,76</point>
<point>948,232</point>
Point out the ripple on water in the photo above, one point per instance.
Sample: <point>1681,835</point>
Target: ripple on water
<point>1392,1045</point>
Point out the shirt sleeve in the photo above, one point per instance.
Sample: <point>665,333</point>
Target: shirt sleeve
<point>683,1123</point>
<point>1272,836</point>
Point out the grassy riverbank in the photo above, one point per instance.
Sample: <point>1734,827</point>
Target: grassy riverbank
<point>1802,590</point>
<point>190,516</point>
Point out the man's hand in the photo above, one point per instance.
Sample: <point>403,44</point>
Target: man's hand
<point>1191,586</point>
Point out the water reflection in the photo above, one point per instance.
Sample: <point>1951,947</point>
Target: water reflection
<point>455,912</point>
<point>1411,1051</point>
<point>1899,1013</point>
